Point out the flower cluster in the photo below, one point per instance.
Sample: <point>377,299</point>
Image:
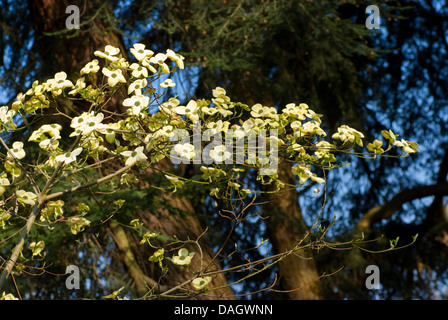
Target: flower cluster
<point>299,127</point>
<point>140,138</point>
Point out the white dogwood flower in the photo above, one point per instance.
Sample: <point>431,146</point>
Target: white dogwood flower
<point>138,71</point>
<point>348,134</point>
<point>259,111</point>
<point>78,122</point>
<point>136,104</point>
<point>113,76</point>
<point>49,144</point>
<point>175,57</point>
<point>109,53</point>
<point>134,156</point>
<point>220,154</point>
<point>80,84</point>
<point>201,283</point>
<point>61,80</point>
<point>53,130</point>
<point>185,150</point>
<point>3,182</point>
<point>218,126</point>
<point>190,110</point>
<point>26,197</point>
<point>209,111</point>
<point>6,115</point>
<point>92,123</point>
<point>91,67</point>
<point>69,157</point>
<point>167,83</point>
<point>140,52</point>
<point>297,112</point>
<point>160,60</point>
<point>17,150</point>
<point>137,86</point>
<point>183,258</point>
<point>408,146</point>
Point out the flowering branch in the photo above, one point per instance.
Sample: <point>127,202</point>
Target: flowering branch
<point>256,137</point>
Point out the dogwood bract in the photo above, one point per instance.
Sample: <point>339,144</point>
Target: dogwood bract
<point>134,156</point>
<point>69,157</point>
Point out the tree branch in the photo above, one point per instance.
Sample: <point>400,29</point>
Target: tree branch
<point>18,248</point>
<point>89,184</point>
<point>134,269</point>
<point>386,210</point>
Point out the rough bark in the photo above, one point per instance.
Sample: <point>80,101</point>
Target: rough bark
<point>72,53</point>
<point>286,227</point>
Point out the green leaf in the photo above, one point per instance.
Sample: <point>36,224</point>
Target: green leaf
<point>119,203</point>
<point>157,256</point>
<point>393,242</point>
<point>114,294</point>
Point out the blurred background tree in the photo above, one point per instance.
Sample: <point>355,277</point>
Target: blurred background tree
<point>276,52</point>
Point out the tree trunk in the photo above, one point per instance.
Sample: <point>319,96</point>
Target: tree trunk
<point>69,54</point>
<point>286,228</point>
